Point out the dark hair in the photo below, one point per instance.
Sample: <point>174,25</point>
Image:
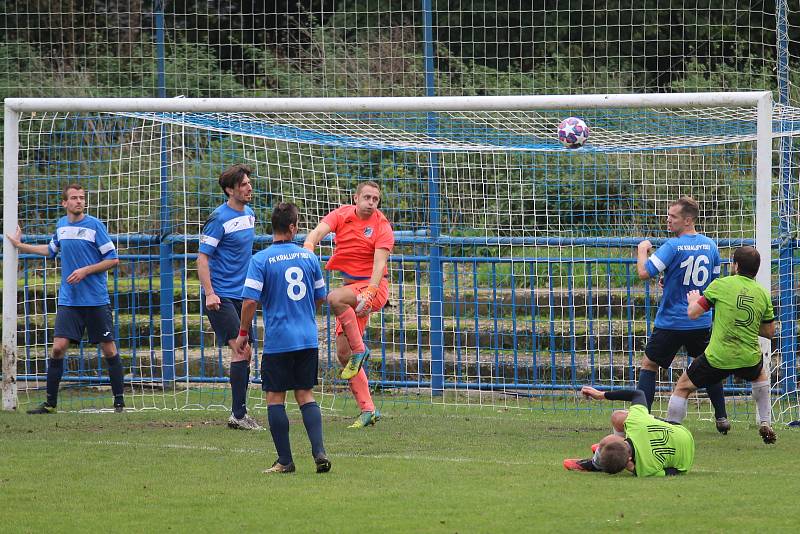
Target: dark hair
<point>233,176</point>
<point>614,457</point>
<point>368,183</point>
<point>284,214</point>
<point>748,259</point>
<point>689,207</point>
<point>70,186</point>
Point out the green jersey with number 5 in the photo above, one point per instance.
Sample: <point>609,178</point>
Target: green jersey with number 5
<point>741,305</point>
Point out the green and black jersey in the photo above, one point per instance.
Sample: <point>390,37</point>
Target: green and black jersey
<point>741,305</point>
<point>658,445</point>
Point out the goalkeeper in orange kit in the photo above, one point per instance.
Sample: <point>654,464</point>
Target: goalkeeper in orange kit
<point>363,242</point>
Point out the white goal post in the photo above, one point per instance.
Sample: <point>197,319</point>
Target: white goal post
<point>760,101</point>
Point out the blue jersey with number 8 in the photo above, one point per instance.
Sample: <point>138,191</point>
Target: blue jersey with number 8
<point>287,280</point>
<point>687,262</point>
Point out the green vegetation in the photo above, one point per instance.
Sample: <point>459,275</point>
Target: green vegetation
<point>434,469</point>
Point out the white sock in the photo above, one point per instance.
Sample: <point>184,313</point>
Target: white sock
<point>676,411</point>
<point>763,403</point>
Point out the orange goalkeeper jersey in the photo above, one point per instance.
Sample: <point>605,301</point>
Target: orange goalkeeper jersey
<point>356,240</point>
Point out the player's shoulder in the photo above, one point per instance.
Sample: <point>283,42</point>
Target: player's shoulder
<point>249,211</point>
<point>382,217</point>
<point>62,221</point>
<point>93,221</point>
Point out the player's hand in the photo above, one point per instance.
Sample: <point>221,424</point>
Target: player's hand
<point>241,346</point>
<point>365,299</point>
<point>693,296</point>
<point>77,275</point>
<point>16,239</point>
<point>212,302</point>
<point>661,282</point>
<point>645,246</point>
<point>590,393</point>
<point>309,246</point>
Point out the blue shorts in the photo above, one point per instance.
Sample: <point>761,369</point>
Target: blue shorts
<point>286,371</point>
<point>226,320</point>
<point>71,321</point>
<point>664,344</point>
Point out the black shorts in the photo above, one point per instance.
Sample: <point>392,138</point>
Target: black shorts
<point>664,344</point>
<point>226,320</point>
<point>703,374</point>
<point>71,321</point>
<point>289,370</point>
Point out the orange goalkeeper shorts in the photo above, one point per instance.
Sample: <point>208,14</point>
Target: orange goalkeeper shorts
<point>377,303</point>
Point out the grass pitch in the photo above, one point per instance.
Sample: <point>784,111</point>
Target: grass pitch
<point>421,469</point>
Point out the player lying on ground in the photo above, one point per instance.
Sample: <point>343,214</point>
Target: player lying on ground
<point>742,312</point>
<point>641,443</point>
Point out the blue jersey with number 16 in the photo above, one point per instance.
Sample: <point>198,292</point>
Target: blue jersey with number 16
<point>688,262</point>
<point>287,280</point>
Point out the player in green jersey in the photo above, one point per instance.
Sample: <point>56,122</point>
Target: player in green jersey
<point>641,443</point>
<point>742,312</point>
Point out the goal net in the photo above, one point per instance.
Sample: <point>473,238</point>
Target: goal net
<point>513,279</point>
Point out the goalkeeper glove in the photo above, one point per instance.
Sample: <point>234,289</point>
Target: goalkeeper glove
<point>365,299</point>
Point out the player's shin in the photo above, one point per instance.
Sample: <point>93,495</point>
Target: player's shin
<point>55,370</point>
<point>312,420</point>
<point>116,376</point>
<point>349,324</point>
<point>676,411</point>
<point>763,402</point>
<point>279,428</point>
<point>359,385</point>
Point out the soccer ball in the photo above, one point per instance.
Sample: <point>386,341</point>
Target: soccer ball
<point>573,132</point>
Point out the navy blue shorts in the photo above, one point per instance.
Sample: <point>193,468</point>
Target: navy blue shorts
<point>71,321</point>
<point>703,374</point>
<point>664,344</point>
<point>286,371</point>
<point>226,320</point>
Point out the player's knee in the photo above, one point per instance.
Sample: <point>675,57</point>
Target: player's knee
<point>649,364</point>
<point>60,346</point>
<point>109,350</point>
<point>303,396</point>
<point>618,419</point>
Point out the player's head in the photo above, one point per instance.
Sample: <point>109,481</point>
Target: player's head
<point>682,215</point>
<point>746,261</point>
<point>235,183</point>
<point>284,220</point>
<point>367,198</point>
<point>614,455</point>
<point>73,198</point>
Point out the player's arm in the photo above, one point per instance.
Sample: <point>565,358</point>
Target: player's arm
<point>642,250</point>
<point>25,248</point>
<point>316,235</point>
<point>767,330</point>
<point>204,274</point>
<point>100,267</point>
<point>698,304</point>
<point>634,396</point>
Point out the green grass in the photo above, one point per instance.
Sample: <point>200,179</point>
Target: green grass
<point>421,469</point>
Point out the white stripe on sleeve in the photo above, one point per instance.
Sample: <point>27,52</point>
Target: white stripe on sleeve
<point>53,246</point>
<point>254,284</point>
<point>208,240</point>
<point>716,269</point>
<point>319,283</point>
<point>658,263</point>
<point>108,247</point>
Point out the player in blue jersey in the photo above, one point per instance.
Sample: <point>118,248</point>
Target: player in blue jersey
<point>287,280</point>
<point>689,261</point>
<point>226,246</point>
<point>87,252</point>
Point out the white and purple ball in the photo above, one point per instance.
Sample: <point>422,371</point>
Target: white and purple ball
<point>573,132</point>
